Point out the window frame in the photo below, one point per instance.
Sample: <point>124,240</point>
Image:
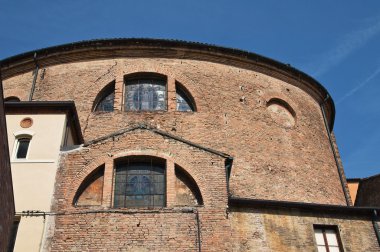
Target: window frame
<point>17,145</point>
<point>324,228</point>
<point>181,90</point>
<point>103,94</point>
<point>140,159</point>
<point>144,76</point>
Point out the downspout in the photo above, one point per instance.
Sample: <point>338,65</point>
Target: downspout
<point>333,149</point>
<point>34,77</point>
<point>376,226</point>
<point>198,231</point>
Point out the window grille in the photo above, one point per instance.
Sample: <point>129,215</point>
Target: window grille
<point>140,182</point>
<point>183,101</point>
<point>106,104</point>
<point>145,95</point>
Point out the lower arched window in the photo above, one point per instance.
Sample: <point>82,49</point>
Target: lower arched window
<point>140,182</point>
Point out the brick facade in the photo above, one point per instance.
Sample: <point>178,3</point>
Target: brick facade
<point>263,114</point>
<point>7,208</point>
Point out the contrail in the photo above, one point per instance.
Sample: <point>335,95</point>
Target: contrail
<point>359,86</point>
<point>349,44</point>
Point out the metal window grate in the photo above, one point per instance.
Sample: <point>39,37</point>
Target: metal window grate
<point>145,95</point>
<point>140,183</point>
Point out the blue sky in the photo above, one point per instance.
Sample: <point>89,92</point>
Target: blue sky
<point>336,42</point>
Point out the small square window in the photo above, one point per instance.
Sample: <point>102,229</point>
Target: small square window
<point>327,239</point>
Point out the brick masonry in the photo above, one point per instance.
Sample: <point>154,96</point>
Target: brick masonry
<point>7,208</point>
<point>298,159</point>
<point>293,230</point>
<point>280,153</point>
<point>367,194</point>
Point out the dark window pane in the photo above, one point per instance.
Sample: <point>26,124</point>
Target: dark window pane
<point>23,145</point>
<point>106,104</point>
<point>140,181</point>
<point>119,201</point>
<point>145,95</point>
<point>120,188</point>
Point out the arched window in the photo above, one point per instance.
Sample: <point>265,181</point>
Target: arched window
<point>91,189</point>
<point>184,100</point>
<point>12,99</point>
<point>187,191</point>
<point>145,92</point>
<point>140,182</point>
<point>105,100</point>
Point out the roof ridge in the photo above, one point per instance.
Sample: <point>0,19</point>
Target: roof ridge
<point>155,130</point>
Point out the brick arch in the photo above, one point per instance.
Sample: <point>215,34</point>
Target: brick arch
<point>169,73</point>
<point>89,169</point>
<point>268,96</point>
<point>147,68</point>
<point>81,176</point>
<point>176,160</point>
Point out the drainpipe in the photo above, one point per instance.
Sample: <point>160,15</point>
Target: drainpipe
<point>34,77</point>
<point>198,231</point>
<point>376,226</point>
<point>333,149</point>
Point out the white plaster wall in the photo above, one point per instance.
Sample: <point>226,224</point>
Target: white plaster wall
<point>29,234</point>
<point>34,177</point>
<point>47,130</point>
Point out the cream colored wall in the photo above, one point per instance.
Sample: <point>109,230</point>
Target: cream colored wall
<point>29,234</point>
<point>34,177</point>
<point>47,135</point>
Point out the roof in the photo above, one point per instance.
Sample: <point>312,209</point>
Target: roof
<point>140,47</point>
<point>159,132</point>
<point>67,107</point>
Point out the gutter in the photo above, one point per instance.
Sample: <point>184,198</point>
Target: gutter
<point>309,207</point>
<point>339,168</point>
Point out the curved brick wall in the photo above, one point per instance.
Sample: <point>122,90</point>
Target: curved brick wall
<point>281,152</point>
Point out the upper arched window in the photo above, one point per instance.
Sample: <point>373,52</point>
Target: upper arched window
<point>140,182</point>
<point>184,100</point>
<point>12,99</point>
<point>105,100</point>
<point>146,92</point>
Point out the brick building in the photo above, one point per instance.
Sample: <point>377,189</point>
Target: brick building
<point>364,191</point>
<point>190,147</point>
<point>7,209</point>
